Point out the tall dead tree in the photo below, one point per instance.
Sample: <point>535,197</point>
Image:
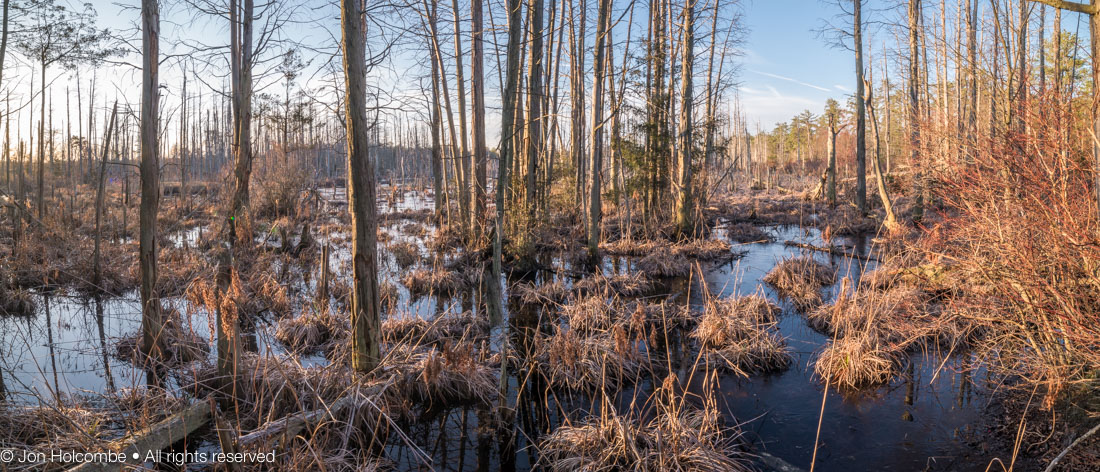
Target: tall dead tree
<point>861,118</point>
<point>477,86</point>
<point>151,321</point>
<point>240,19</point>
<point>534,109</point>
<point>914,15</point>
<point>365,310</point>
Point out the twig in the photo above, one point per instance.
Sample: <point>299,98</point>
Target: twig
<point>1071,446</point>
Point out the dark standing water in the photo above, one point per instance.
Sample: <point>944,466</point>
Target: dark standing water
<point>925,419</point>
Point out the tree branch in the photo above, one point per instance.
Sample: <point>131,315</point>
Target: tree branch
<point>1088,9</point>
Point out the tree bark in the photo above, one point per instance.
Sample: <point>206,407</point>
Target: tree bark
<point>600,63</point>
<point>151,322</point>
<point>241,223</point>
<point>861,119</point>
<point>477,84</point>
<point>685,201</point>
<point>914,108</point>
<point>365,319</point>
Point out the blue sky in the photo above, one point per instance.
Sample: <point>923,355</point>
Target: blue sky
<point>787,68</point>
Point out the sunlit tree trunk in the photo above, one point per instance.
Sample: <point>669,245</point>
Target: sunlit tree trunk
<point>241,20</point>
<point>534,108</point>
<point>914,108</point>
<point>685,198</point>
<point>365,319</point>
<point>576,93</point>
<point>861,119</point>
<point>596,161</point>
<point>151,321</point>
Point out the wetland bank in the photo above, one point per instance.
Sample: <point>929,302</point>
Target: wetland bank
<point>531,235</point>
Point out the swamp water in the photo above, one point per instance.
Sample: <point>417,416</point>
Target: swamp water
<point>926,418</point>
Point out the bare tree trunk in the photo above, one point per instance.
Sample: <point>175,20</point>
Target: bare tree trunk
<point>600,63</point>
<point>437,124</point>
<point>507,141</point>
<point>462,164</point>
<point>861,119</point>
<point>477,84</point>
<point>914,109</point>
<point>242,116</point>
<point>365,318</point>
<point>99,194</point>
<point>891,221</point>
<point>576,92</point>
<point>151,322</point>
<point>534,108</point>
<point>685,201</point>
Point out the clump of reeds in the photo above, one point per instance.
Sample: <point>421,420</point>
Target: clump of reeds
<point>573,362</point>
<point>311,330</point>
<point>664,264</point>
<point>405,253</point>
<point>545,294</point>
<point>747,233</point>
<point>590,314</point>
<point>704,249</point>
<point>624,247</point>
<point>69,425</point>
<point>449,326</point>
<point>414,229</point>
<point>740,333</point>
<point>856,361</point>
<point>628,285</point>
<point>677,437</point>
<point>176,343</point>
<point>420,215</point>
<point>800,279</point>
<point>16,302</point>
<point>443,375</point>
<point>387,295</point>
<point>438,281</point>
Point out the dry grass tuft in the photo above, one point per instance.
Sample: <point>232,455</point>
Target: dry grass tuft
<point>434,281</point>
<point>704,249</point>
<point>800,279</point>
<point>16,302</point>
<point>311,331</point>
<point>664,264</point>
<point>179,344</point>
<point>545,294</point>
<point>627,285</point>
<point>413,330</point>
<point>442,376</point>
<point>856,361</point>
<point>676,438</point>
<point>741,335</point>
<point>405,253</point>
<point>747,233</point>
<point>586,364</point>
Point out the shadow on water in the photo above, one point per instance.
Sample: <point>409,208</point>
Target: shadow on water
<point>925,418</point>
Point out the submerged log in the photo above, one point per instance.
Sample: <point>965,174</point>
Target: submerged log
<point>154,438</point>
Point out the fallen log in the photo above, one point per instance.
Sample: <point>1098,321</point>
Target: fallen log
<point>154,438</point>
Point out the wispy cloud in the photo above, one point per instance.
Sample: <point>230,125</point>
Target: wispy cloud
<point>842,88</point>
<point>789,79</point>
